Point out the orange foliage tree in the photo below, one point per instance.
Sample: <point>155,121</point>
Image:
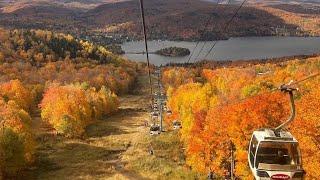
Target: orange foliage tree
<point>213,113</point>
<point>67,109</point>
<point>177,76</point>
<point>71,108</point>
<point>235,123</point>
<point>16,91</point>
<point>306,129</point>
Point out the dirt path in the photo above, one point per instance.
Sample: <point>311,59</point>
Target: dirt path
<point>99,155</point>
<point>116,147</point>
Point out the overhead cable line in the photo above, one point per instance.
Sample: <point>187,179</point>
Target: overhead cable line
<point>192,52</point>
<point>146,43</point>
<point>305,79</point>
<point>201,49</point>
<point>205,27</point>
<point>225,29</point>
<point>273,90</point>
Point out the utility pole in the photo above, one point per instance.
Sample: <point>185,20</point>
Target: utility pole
<point>160,101</point>
<point>161,118</point>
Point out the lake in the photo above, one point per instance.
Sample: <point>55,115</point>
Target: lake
<point>243,48</point>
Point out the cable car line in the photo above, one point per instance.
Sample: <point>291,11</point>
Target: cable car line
<point>193,52</point>
<point>146,43</point>
<point>305,79</point>
<point>205,41</point>
<point>277,143</point>
<point>154,129</point>
<point>226,27</point>
<point>290,84</point>
<point>205,27</point>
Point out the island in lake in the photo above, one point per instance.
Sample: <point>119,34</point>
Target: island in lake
<point>173,52</point>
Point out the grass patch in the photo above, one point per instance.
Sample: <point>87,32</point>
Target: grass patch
<point>167,162</point>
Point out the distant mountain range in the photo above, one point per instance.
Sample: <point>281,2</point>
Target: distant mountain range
<point>91,4</point>
<point>73,4</point>
<point>166,19</point>
<point>299,2</point>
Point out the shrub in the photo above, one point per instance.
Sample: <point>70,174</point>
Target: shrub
<point>103,102</point>
<point>17,145</point>
<point>66,106</point>
<point>12,152</point>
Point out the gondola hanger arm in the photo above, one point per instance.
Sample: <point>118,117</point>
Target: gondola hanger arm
<point>287,88</point>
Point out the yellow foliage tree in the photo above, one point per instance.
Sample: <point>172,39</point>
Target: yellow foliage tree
<point>17,145</point>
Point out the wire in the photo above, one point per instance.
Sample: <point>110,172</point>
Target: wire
<point>272,90</point>
<point>305,79</point>
<point>193,52</point>
<point>146,43</point>
<point>205,27</point>
<point>226,27</point>
<point>205,41</point>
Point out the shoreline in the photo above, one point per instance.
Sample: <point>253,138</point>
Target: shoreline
<point>212,64</point>
<point>222,39</point>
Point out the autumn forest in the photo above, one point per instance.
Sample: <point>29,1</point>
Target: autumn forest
<point>217,106</point>
<point>73,106</point>
<point>72,83</point>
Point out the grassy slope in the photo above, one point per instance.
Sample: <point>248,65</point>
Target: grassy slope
<point>116,148</point>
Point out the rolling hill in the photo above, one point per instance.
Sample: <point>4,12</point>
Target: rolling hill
<point>183,20</point>
<point>73,4</point>
<point>269,2</point>
<point>166,19</point>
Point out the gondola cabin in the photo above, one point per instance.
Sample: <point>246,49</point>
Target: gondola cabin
<point>275,156</point>
<point>155,108</point>
<point>155,130</point>
<point>176,125</point>
<point>164,108</point>
<point>154,114</point>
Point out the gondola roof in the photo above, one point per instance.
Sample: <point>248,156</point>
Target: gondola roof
<point>270,135</point>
